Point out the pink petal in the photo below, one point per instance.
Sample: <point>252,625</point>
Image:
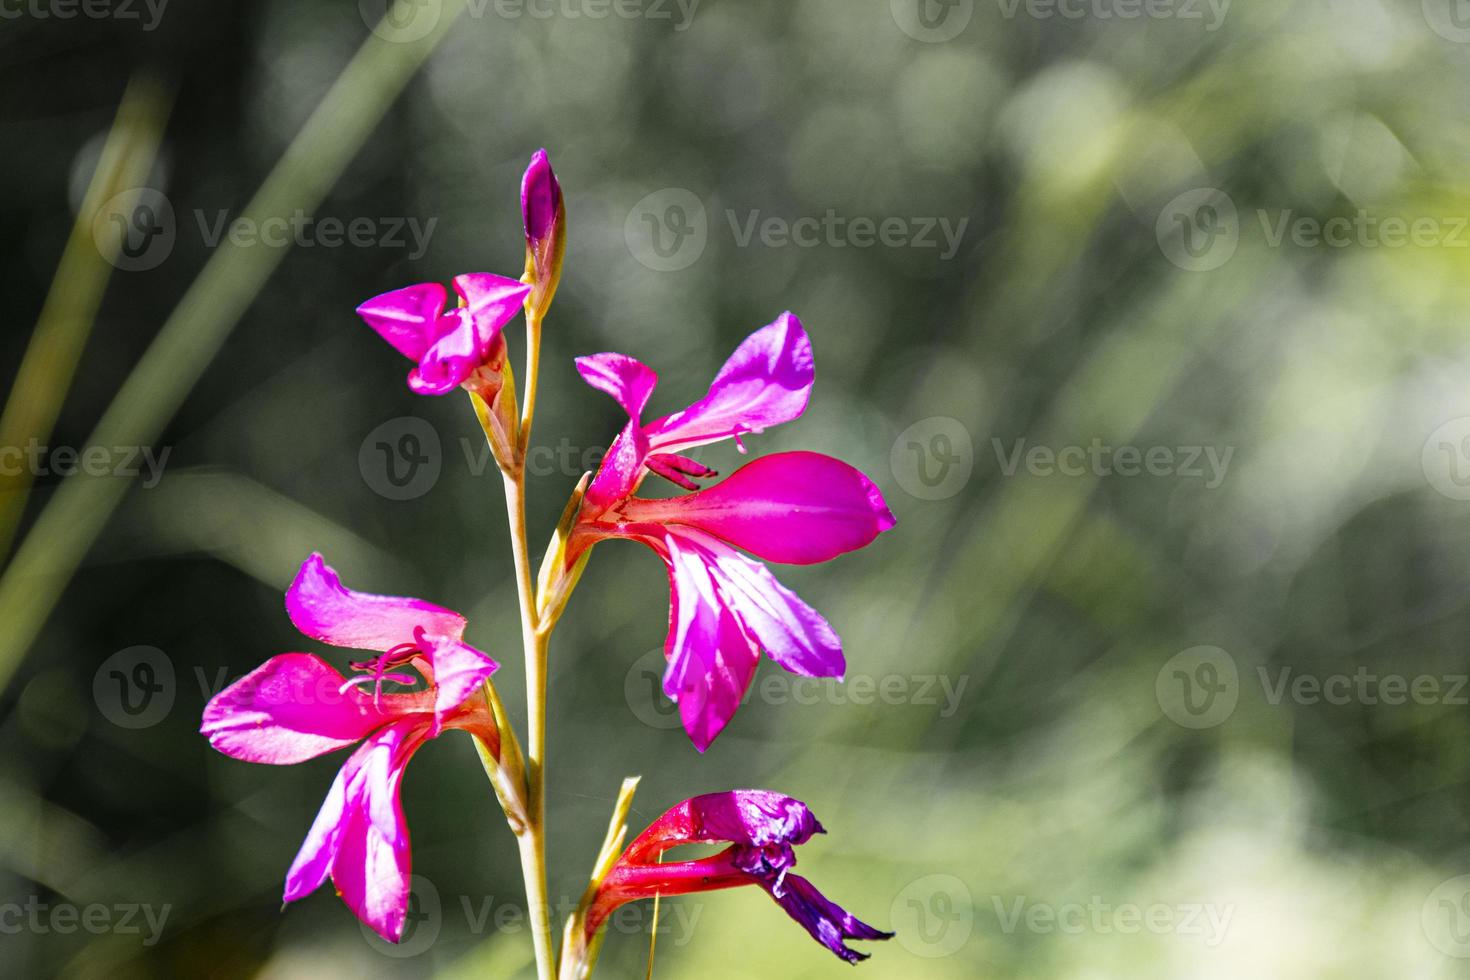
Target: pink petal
<point>630,383</point>
<point>765,382</point>
<point>450,359</point>
<point>792,633</point>
<point>540,198</point>
<point>323,609</point>
<point>407,318</point>
<point>492,300</point>
<point>459,672</point>
<point>754,817</point>
<point>798,507</point>
<point>711,659</point>
<point>292,708</point>
<point>360,835</point>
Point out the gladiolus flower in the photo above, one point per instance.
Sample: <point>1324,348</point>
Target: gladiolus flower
<point>458,346</point>
<point>762,828</point>
<point>296,707</point>
<point>798,508</point>
<point>544,214</point>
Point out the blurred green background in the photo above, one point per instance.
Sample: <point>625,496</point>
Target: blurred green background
<point>1148,318</point>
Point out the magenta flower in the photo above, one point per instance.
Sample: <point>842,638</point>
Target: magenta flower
<point>459,346</point>
<point>545,217</point>
<point>296,707</point>
<point>762,829</point>
<point>798,507</point>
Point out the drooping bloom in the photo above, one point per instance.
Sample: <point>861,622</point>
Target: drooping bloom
<point>798,507</point>
<point>762,829</point>
<point>544,214</point>
<point>458,346</point>
<point>296,707</point>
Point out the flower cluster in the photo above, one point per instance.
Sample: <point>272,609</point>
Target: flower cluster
<point>725,609</point>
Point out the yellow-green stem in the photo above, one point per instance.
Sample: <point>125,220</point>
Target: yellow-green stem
<point>534,641</point>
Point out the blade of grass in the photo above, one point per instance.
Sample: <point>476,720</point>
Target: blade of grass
<point>203,319</point>
<point>50,361</point>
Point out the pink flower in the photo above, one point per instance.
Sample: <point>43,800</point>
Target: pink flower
<point>296,706</point>
<point>545,217</point>
<point>459,346</point>
<point>762,829</point>
<point>798,507</point>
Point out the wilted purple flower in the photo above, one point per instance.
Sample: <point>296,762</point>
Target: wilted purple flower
<point>762,829</point>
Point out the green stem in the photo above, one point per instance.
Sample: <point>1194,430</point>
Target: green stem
<point>534,640</point>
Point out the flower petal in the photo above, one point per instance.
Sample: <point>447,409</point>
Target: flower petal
<point>792,633</point>
<point>540,199</point>
<point>407,318</point>
<point>325,610</point>
<point>798,507</point>
<point>293,708</point>
<point>459,672</point>
<point>630,383</point>
<point>766,381</point>
<point>828,923</point>
<point>493,301</point>
<point>711,659</point>
<point>361,835</point>
<point>753,817</point>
